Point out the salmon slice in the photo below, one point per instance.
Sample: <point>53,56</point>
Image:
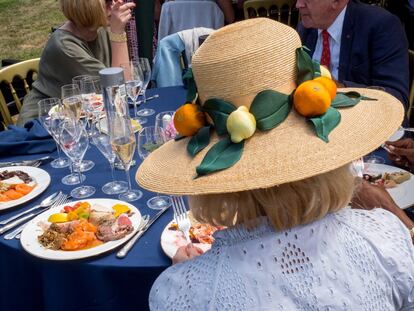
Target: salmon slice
<point>23,188</point>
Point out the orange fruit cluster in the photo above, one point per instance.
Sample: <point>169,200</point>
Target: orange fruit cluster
<point>313,97</point>
<point>188,119</point>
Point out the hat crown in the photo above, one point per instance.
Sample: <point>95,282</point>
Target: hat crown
<point>259,55</point>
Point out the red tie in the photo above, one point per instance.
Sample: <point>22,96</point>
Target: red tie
<point>326,52</point>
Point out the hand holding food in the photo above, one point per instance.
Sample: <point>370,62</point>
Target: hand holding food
<point>402,152</point>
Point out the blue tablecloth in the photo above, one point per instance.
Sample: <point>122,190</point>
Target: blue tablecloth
<point>100,283</point>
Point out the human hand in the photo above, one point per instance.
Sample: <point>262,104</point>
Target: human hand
<point>368,196</point>
<point>401,152</point>
<point>186,252</point>
<point>120,15</point>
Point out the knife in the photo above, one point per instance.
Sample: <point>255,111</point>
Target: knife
<point>125,249</point>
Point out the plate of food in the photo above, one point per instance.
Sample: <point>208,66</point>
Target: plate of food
<point>399,183</point>
<point>201,235</point>
<point>80,229</point>
<point>19,184</point>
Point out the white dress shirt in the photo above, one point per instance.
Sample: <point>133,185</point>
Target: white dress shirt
<point>335,34</point>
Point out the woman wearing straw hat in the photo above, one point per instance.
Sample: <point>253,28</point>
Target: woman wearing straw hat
<point>290,243</point>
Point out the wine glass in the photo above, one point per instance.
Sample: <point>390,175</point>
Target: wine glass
<point>72,100</point>
<point>74,141</point>
<point>103,143</point>
<point>149,139</point>
<point>165,121</point>
<point>45,109</point>
<point>92,102</point>
<point>146,72</point>
<point>134,79</point>
<point>123,143</point>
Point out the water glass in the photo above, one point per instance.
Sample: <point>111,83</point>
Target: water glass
<point>146,72</point>
<point>74,141</point>
<point>46,107</point>
<point>165,121</point>
<point>149,139</point>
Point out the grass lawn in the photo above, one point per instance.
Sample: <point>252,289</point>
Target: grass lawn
<point>26,26</point>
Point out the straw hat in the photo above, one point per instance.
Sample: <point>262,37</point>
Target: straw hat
<point>234,64</point>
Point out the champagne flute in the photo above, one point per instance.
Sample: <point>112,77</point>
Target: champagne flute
<point>45,109</point>
<point>146,72</point>
<point>74,141</point>
<point>123,143</point>
<point>72,100</point>
<point>149,139</point>
<point>103,143</point>
<point>134,79</point>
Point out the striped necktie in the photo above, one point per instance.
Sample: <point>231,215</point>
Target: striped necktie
<point>326,52</point>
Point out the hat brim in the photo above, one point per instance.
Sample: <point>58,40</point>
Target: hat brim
<point>287,153</point>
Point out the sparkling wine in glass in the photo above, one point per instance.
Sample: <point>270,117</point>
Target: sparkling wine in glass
<point>146,73</point>
<point>103,143</point>
<point>46,108</point>
<point>74,141</point>
<point>123,144</point>
<point>72,101</point>
<point>149,139</point>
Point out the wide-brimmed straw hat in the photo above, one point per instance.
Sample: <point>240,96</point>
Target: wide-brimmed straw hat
<point>237,62</point>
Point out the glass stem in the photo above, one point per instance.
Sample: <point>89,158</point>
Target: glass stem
<point>71,167</point>
<point>79,171</point>
<point>58,149</point>
<point>128,179</point>
<point>144,97</point>
<point>112,164</point>
<point>135,108</point>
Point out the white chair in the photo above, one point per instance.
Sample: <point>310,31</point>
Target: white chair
<point>181,15</point>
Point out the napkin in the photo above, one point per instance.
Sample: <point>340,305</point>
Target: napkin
<point>30,139</point>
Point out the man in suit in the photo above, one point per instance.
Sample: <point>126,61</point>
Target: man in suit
<point>362,45</point>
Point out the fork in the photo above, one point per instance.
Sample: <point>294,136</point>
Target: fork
<point>181,216</point>
<point>64,199</point>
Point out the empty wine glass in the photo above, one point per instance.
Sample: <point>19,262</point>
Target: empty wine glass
<point>149,139</point>
<point>74,141</point>
<point>134,79</point>
<point>72,100</point>
<point>123,143</point>
<point>103,143</point>
<point>45,109</point>
<point>165,121</point>
<point>146,73</point>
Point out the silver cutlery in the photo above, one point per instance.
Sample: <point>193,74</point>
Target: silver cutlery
<point>64,199</point>
<point>407,129</point>
<point>45,203</point>
<point>33,162</point>
<point>24,219</point>
<point>126,248</point>
<point>149,98</point>
<point>181,217</point>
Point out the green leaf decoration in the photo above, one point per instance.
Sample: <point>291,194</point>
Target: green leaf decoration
<point>305,66</point>
<point>199,141</point>
<point>316,69</point>
<point>326,123</point>
<point>219,111</point>
<point>191,85</point>
<point>348,99</point>
<point>270,108</point>
<point>222,155</point>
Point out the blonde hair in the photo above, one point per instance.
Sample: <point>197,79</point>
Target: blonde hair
<point>85,13</point>
<point>287,205</point>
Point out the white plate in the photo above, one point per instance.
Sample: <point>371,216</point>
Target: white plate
<point>32,231</point>
<point>171,240</point>
<point>103,125</point>
<point>397,135</point>
<point>403,194</point>
<point>40,177</point>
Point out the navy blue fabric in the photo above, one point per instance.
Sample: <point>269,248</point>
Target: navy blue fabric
<point>374,50</point>
<point>101,283</point>
<point>30,139</point>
